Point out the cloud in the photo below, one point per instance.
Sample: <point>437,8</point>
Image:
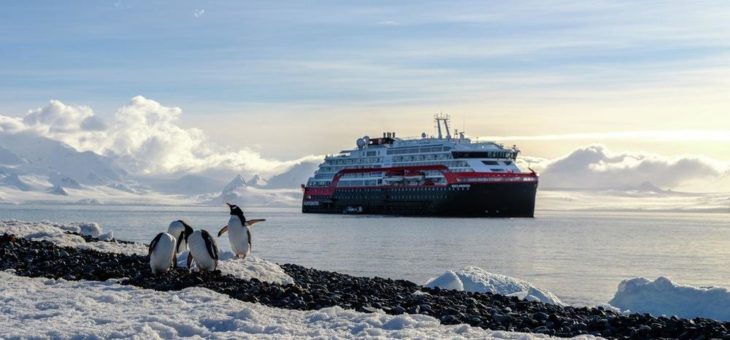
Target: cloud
<point>659,136</point>
<point>198,13</point>
<point>144,137</point>
<point>595,167</point>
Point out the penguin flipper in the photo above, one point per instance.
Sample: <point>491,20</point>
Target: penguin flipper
<point>222,231</point>
<point>190,259</point>
<point>252,222</point>
<point>174,260</point>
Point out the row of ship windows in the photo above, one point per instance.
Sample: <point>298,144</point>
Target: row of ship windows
<point>345,161</point>
<point>416,189</point>
<point>397,151</point>
<point>406,197</point>
<point>450,164</point>
<point>328,171</point>
<point>428,157</point>
<point>496,163</point>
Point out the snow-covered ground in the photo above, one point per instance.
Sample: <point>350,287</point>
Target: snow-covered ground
<point>39,307</point>
<point>474,279</point>
<point>662,296</point>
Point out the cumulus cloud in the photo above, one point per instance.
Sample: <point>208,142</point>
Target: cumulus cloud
<point>144,137</point>
<point>595,167</point>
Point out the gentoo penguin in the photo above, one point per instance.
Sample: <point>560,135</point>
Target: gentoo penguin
<point>203,250</point>
<point>181,231</point>
<point>239,231</point>
<point>162,253</point>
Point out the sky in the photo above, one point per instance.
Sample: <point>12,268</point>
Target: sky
<point>291,79</point>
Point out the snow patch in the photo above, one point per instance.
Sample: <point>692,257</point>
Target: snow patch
<point>664,297</point>
<point>39,307</point>
<point>57,233</point>
<point>475,279</point>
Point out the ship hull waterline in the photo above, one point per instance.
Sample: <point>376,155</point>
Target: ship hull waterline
<point>506,199</point>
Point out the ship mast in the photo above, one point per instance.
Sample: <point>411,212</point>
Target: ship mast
<point>442,117</point>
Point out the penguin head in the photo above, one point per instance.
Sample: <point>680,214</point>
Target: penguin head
<point>188,231</point>
<point>235,210</point>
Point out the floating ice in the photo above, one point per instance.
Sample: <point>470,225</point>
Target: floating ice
<point>474,279</point>
<point>664,297</point>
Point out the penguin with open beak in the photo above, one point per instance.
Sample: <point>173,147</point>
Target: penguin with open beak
<point>162,253</point>
<point>203,250</point>
<point>239,231</point>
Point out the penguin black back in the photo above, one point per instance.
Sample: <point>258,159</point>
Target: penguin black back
<point>153,244</point>
<point>210,245</point>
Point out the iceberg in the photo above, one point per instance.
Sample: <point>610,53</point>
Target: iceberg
<point>664,297</point>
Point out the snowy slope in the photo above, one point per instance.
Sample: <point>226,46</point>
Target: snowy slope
<point>81,309</point>
<point>632,200</point>
<point>474,279</point>
<point>237,191</point>
<point>43,156</point>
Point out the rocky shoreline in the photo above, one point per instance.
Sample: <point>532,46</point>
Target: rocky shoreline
<point>315,289</point>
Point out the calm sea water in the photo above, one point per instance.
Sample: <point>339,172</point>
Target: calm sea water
<point>580,256</point>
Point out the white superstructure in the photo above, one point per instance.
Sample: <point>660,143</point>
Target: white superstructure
<point>458,154</point>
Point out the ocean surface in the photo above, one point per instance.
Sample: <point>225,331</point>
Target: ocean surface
<point>581,256</point>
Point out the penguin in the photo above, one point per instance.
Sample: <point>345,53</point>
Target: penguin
<point>162,253</point>
<point>239,231</point>
<point>203,250</point>
<point>181,231</point>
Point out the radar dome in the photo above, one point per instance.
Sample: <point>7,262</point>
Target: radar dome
<point>361,143</point>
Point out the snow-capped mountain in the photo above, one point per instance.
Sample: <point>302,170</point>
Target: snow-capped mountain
<point>29,154</point>
<point>237,191</point>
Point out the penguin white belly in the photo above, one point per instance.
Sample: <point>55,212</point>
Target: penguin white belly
<point>238,236</point>
<point>177,229</point>
<point>162,253</point>
<point>200,251</point>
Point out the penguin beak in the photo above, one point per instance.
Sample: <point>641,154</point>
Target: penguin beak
<point>252,222</point>
<point>229,205</point>
<point>222,231</point>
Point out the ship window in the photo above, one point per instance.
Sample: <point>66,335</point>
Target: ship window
<point>469,154</point>
<point>507,162</point>
<point>490,162</point>
<point>497,170</point>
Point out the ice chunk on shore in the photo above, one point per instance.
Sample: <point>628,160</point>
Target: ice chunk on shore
<point>47,308</point>
<point>56,233</point>
<point>664,297</point>
<point>251,267</point>
<point>475,279</point>
<point>90,229</point>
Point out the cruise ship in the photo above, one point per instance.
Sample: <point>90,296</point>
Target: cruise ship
<point>442,175</point>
